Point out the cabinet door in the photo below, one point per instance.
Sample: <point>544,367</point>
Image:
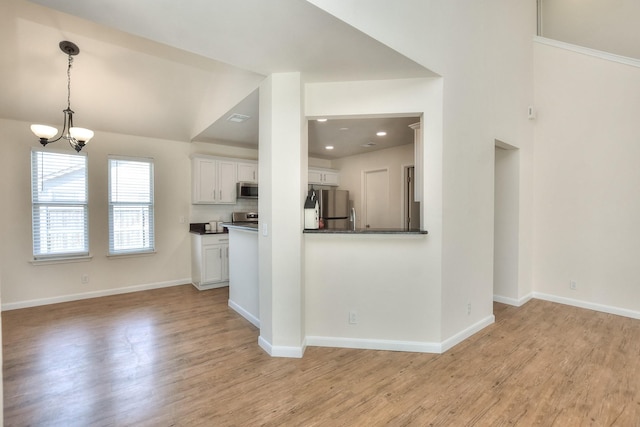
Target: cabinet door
<point>225,262</point>
<point>247,172</point>
<point>315,177</point>
<point>213,265</point>
<point>226,182</point>
<point>204,181</point>
<point>324,177</point>
<point>331,178</point>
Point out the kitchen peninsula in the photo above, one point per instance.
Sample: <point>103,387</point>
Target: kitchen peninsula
<point>243,270</point>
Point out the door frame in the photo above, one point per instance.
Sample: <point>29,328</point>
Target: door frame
<point>405,192</point>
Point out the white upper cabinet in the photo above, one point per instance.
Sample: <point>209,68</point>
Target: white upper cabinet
<point>248,172</point>
<point>324,177</point>
<point>227,181</point>
<point>214,181</point>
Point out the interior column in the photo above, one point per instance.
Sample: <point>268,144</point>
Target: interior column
<point>282,160</point>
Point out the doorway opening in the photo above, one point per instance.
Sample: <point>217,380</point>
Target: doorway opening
<point>506,223</point>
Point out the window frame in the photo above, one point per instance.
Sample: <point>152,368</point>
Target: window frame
<point>37,203</point>
<point>149,247</point>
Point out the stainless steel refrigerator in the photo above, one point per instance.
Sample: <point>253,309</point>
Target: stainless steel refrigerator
<point>334,208</point>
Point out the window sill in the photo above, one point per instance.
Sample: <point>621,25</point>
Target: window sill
<point>61,260</point>
<point>131,255</point>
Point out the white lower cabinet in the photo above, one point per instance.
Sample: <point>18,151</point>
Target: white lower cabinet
<point>209,260</point>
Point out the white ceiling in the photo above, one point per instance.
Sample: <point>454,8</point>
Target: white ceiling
<point>171,69</point>
<point>358,135</point>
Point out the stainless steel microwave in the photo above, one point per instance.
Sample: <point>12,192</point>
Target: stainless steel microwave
<point>247,190</point>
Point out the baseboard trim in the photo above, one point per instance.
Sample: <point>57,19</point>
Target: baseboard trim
<point>373,344</point>
<point>93,294</point>
<point>512,301</point>
<point>588,305</point>
<point>281,350</point>
<point>466,333</point>
<point>244,313</point>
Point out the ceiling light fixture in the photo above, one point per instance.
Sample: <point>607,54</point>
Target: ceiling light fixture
<point>329,147</point>
<point>322,120</point>
<point>238,118</point>
<point>77,137</point>
<point>381,133</point>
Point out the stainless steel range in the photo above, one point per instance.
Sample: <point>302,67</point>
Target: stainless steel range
<point>244,217</point>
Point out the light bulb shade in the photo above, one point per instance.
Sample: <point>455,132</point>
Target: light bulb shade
<point>43,131</point>
<point>81,134</point>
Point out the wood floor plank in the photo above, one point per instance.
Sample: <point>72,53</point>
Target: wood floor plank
<point>180,357</point>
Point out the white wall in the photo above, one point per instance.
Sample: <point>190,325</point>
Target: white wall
<point>483,51</point>
<point>394,159</point>
<point>385,279</point>
<point>607,25</point>
<point>26,284</point>
<point>587,197</point>
<point>408,266</point>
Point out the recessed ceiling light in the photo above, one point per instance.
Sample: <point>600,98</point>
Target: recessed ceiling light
<point>238,118</point>
<point>322,120</point>
<point>344,128</point>
<point>381,133</point>
<point>329,147</point>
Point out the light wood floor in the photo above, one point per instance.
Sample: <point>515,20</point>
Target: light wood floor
<point>179,357</point>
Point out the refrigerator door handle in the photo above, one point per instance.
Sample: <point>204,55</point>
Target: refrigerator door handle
<point>353,218</point>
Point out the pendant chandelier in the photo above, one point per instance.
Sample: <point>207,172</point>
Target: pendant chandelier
<point>76,136</point>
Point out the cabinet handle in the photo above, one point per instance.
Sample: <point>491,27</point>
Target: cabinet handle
<point>220,194</point>
<point>220,253</point>
<point>254,175</point>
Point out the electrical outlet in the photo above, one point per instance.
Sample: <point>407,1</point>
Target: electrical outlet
<point>573,285</point>
<point>353,317</point>
<point>84,279</point>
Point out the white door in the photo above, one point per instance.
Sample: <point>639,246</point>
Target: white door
<point>376,199</point>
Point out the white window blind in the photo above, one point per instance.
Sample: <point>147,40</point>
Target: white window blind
<point>131,224</point>
<point>59,204</point>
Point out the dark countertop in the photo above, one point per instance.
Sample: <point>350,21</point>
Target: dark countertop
<point>366,231</point>
<point>199,228</point>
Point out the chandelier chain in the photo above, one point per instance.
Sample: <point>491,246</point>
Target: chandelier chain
<point>69,82</point>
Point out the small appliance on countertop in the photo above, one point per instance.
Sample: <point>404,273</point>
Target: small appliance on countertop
<point>311,211</point>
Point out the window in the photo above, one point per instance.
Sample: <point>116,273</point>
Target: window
<point>131,227</point>
<point>59,204</point>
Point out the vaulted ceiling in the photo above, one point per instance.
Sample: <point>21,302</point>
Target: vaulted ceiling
<point>170,69</point>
